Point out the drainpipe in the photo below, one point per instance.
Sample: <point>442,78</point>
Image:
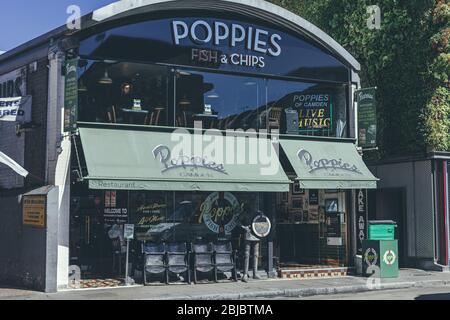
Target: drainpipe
<point>444,213</point>
<point>434,265</point>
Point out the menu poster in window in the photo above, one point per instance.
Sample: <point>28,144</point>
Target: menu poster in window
<point>116,211</point>
<point>107,199</point>
<point>113,199</point>
<point>333,223</point>
<point>148,212</point>
<point>313,197</point>
<point>313,214</point>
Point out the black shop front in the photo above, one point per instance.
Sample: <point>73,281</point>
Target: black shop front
<point>188,119</point>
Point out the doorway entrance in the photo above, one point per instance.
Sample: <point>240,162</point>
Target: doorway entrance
<point>390,204</point>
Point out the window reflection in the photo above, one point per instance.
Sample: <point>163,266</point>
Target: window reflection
<point>152,95</point>
<point>220,101</point>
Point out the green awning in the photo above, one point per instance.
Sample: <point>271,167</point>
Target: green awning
<point>328,165</point>
<point>147,160</point>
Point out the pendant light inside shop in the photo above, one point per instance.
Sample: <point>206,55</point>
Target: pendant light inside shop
<point>105,79</point>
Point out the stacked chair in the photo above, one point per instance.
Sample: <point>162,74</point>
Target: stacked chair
<point>175,258</point>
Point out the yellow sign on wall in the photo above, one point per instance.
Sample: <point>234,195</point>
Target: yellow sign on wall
<point>34,209</point>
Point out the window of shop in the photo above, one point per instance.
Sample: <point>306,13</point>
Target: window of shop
<point>123,92</point>
<point>143,94</point>
<point>311,228</point>
<point>220,101</point>
<point>97,219</point>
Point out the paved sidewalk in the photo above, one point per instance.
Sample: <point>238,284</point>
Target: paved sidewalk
<point>237,291</point>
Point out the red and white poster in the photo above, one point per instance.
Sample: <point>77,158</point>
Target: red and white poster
<point>107,199</point>
<point>113,199</point>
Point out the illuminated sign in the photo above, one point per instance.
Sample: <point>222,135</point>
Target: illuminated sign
<point>218,34</point>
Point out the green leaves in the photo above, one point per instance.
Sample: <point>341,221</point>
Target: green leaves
<point>407,59</point>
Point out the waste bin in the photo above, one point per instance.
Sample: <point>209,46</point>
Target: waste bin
<point>380,252</point>
<point>382,230</point>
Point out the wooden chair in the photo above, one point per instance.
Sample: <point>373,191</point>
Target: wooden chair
<point>154,117</point>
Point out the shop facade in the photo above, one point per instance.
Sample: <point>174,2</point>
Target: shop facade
<point>183,117</point>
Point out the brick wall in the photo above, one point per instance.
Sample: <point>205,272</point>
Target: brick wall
<point>10,144</point>
<point>22,250</point>
<point>35,141</point>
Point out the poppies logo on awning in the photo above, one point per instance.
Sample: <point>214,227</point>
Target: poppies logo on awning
<point>326,164</point>
<point>184,162</point>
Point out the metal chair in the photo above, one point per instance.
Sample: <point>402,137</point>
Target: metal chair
<point>155,260</point>
<point>274,118</point>
<point>224,259</point>
<point>178,259</point>
<point>203,255</point>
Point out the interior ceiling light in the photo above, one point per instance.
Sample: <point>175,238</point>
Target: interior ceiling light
<point>185,101</point>
<point>106,79</point>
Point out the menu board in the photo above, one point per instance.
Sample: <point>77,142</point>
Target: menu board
<point>367,118</point>
<point>71,95</point>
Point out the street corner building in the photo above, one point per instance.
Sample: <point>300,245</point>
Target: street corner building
<point>94,128</point>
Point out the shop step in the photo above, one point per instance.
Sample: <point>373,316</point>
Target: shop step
<point>308,273</point>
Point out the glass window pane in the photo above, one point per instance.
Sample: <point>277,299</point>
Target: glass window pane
<point>122,92</point>
<point>220,101</point>
<point>307,108</point>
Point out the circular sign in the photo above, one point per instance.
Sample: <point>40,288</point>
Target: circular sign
<point>371,257</point>
<point>261,226</point>
<point>221,212</point>
<point>389,257</point>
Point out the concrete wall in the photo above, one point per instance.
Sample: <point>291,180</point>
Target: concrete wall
<point>417,180</point>
<point>22,249</point>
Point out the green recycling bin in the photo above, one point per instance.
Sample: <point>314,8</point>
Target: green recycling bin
<point>380,252</point>
<point>382,230</point>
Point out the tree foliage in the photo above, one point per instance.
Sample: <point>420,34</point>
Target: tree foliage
<point>407,59</point>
